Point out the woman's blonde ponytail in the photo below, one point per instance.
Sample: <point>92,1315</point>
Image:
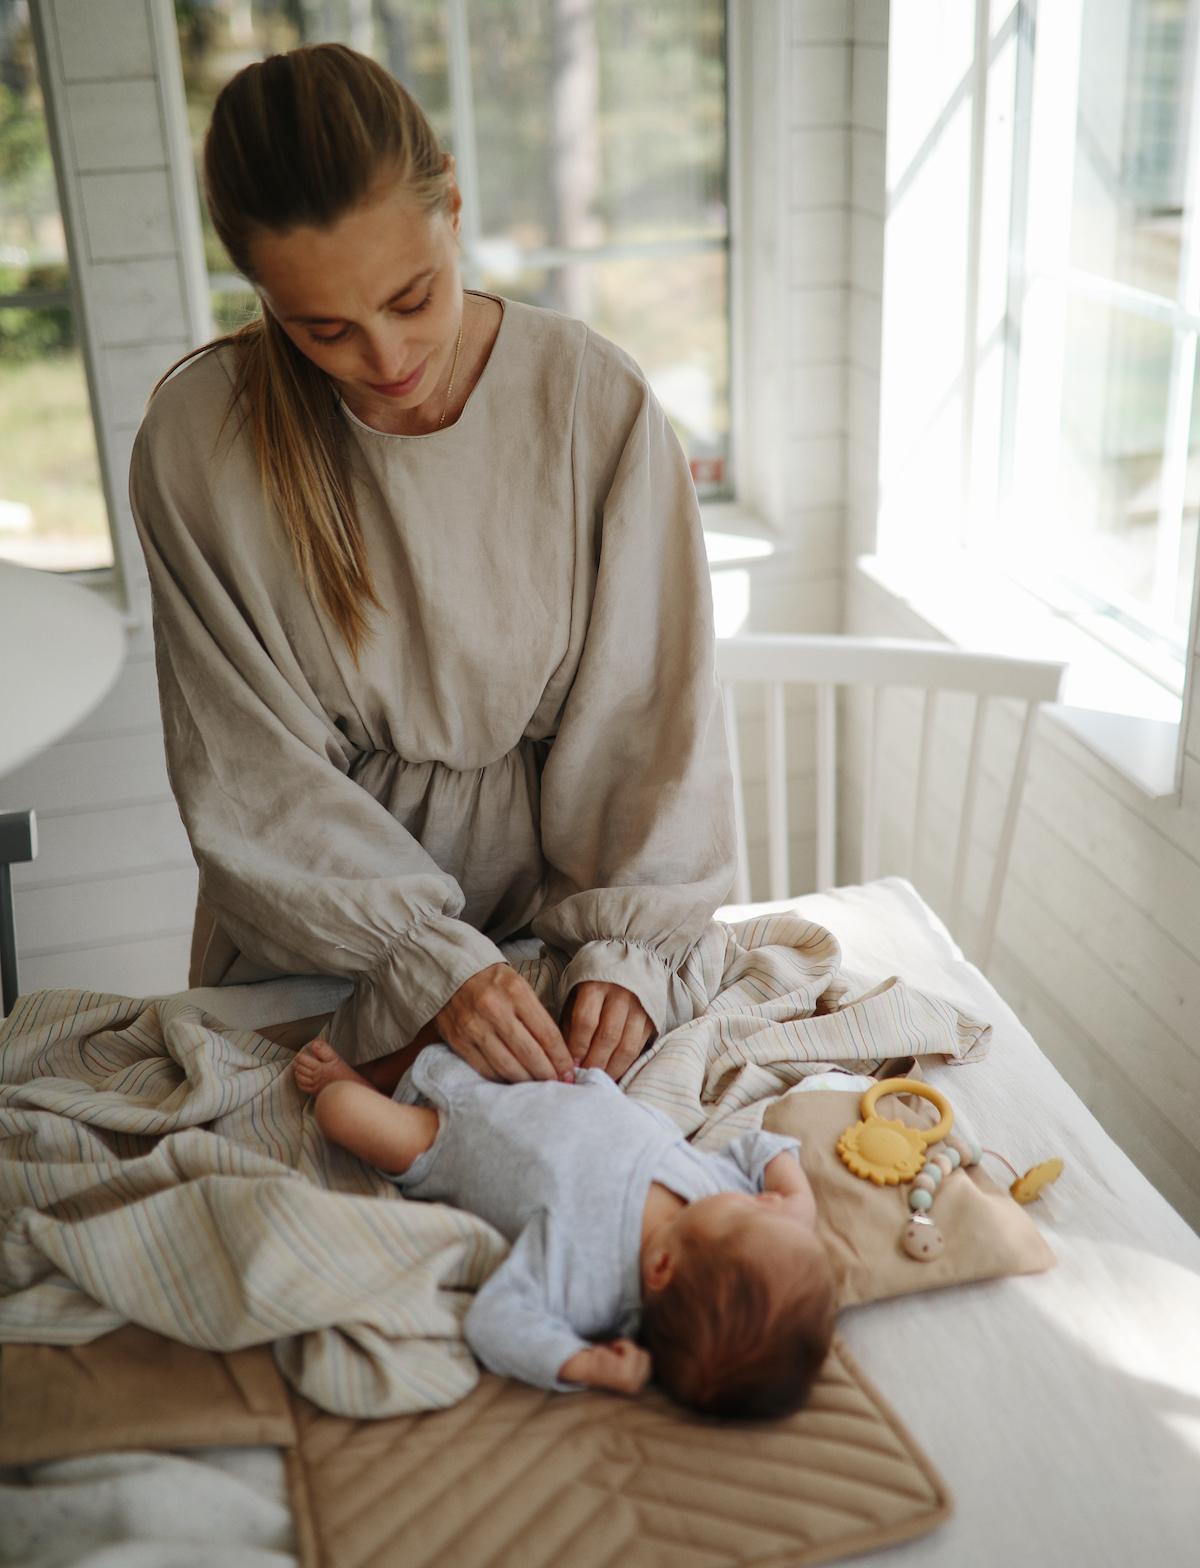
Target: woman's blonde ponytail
<point>301,139</point>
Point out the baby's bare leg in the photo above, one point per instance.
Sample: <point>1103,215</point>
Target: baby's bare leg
<point>378,1130</point>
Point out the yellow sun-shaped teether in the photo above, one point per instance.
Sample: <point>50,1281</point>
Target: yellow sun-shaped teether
<point>885,1152</point>
<point>1034,1182</point>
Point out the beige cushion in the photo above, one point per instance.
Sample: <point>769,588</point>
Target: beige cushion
<point>987,1233</point>
<point>135,1389</point>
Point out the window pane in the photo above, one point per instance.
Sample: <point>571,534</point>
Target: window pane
<point>668,312</point>
<point>1135,112</point>
<point>52,510</point>
<point>1098,527</point>
<point>599,121</point>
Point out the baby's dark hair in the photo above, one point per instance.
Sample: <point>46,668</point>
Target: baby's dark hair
<point>726,1340</point>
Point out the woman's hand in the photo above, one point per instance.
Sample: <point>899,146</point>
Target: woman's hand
<point>496,1023</point>
<point>606,1026</point>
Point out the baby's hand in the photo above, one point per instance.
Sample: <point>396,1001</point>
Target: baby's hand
<point>619,1366</point>
<point>784,1174</point>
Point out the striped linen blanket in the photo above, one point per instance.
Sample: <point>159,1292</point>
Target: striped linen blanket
<point>160,1167</point>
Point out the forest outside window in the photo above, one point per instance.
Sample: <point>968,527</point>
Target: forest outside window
<point>591,149</point>
<point>52,508</point>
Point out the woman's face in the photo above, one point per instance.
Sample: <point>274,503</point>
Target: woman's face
<point>375,301</point>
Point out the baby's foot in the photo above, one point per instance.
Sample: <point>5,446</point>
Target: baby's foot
<point>319,1064</point>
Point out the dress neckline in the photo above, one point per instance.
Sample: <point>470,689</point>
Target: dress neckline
<point>446,430</point>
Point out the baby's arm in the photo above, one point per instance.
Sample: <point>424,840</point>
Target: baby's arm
<point>785,1175</point>
<point>620,1366</point>
<point>516,1327</point>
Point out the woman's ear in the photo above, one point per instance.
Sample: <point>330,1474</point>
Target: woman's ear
<point>455,206</point>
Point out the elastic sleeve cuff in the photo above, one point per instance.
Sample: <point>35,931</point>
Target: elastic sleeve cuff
<point>532,1357</point>
<point>418,977</point>
<point>557,1354</point>
<point>755,1151</point>
<point>638,968</point>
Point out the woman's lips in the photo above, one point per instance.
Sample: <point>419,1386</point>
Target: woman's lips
<point>400,388</point>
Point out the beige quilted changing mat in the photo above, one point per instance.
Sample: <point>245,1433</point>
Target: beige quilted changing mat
<point>517,1478</point>
<point>512,1477</point>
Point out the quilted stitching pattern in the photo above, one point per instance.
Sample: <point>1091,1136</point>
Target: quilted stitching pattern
<point>516,1478</point>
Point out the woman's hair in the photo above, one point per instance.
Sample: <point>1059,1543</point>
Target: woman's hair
<point>728,1339</point>
<point>301,139</point>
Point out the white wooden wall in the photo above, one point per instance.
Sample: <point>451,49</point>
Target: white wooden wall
<point>796,337</point>
<point>107,905</point>
<point>1098,946</point>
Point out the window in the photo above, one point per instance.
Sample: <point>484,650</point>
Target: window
<point>1101,454</point>
<point>1039,417</point>
<point>590,144</point>
<point>52,509</point>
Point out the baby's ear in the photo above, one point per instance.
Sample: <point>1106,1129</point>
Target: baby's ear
<point>659,1269</point>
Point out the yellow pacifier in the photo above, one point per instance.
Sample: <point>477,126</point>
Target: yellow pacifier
<point>888,1151</point>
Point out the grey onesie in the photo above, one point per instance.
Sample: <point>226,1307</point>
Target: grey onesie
<point>562,1170</point>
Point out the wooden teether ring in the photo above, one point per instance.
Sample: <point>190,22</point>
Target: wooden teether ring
<point>866,1106</point>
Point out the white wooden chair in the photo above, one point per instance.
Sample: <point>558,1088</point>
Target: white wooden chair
<point>828,664</point>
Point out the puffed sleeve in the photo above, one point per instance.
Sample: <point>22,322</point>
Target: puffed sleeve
<point>303,868</point>
<point>636,794</point>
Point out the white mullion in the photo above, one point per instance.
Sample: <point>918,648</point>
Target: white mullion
<point>1177,437</point>
<point>1054,114</point>
<point>1173,478</point>
<point>466,157</point>
<point>979,90</point>
<point>1124,296</point>
<point>538,256</point>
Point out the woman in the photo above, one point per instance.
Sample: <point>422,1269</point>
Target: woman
<point>432,615</point>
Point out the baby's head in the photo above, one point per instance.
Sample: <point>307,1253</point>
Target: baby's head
<point>743,1321</point>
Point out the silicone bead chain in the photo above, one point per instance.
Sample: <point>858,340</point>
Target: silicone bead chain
<point>922,1240</point>
<point>953,1153</point>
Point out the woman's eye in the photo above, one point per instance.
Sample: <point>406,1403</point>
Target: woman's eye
<point>337,337</point>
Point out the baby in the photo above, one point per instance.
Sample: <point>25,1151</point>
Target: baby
<point>615,1221</point>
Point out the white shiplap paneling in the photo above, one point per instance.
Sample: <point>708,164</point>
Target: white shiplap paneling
<point>820,84</point>
<point>115,125</point>
<point>104,40</point>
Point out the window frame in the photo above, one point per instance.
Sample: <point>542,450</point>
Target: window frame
<point>474,244</point>
<point>944,576</point>
<point>1045,263</point>
<point>751,281</point>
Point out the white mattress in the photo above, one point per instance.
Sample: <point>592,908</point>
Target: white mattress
<point>1063,1408</point>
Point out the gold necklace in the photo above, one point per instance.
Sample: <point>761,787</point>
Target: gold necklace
<point>453,368</point>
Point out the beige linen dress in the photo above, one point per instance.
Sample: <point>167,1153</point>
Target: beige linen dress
<point>533,743</point>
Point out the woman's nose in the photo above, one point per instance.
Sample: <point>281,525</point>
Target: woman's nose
<point>387,355</point>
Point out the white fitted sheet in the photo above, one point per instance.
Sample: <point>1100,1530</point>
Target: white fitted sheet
<point>1063,1409</point>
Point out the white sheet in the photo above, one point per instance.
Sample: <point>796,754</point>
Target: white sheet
<point>1063,1409</point>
